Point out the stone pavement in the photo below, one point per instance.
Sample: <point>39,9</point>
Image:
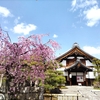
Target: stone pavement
<point>85,92</point>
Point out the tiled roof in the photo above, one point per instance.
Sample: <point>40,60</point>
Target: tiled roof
<point>76,64</point>
<point>75,49</point>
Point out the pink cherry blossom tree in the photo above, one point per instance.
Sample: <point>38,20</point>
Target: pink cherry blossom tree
<point>25,61</point>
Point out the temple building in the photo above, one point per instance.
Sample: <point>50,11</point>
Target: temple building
<point>77,66</point>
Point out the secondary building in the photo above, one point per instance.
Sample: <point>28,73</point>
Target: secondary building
<point>77,66</point>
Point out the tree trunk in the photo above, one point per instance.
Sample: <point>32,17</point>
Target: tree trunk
<point>41,93</point>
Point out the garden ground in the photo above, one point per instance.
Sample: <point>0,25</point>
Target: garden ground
<point>86,92</point>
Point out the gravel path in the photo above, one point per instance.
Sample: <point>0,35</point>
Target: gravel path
<point>85,92</point>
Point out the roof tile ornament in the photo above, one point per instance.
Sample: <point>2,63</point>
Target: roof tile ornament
<point>75,45</point>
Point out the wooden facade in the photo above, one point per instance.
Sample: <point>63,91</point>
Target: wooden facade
<point>75,66</point>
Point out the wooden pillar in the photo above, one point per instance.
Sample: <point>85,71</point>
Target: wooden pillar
<point>76,78</point>
<point>91,82</point>
<point>70,82</point>
<point>86,82</point>
<point>68,76</point>
<point>86,79</point>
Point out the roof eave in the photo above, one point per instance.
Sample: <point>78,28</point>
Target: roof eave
<point>88,69</point>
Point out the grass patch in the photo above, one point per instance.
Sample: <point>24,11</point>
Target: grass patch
<point>50,97</point>
<point>63,87</point>
<point>97,88</point>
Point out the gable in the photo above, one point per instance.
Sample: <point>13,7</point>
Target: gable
<point>75,52</point>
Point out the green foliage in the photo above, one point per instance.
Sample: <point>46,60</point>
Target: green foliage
<point>60,64</point>
<point>53,79</point>
<point>4,81</point>
<point>96,84</point>
<point>97,78</point>
<point>96,63</point>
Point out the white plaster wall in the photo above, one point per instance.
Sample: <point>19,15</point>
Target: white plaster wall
<point>90,75</point>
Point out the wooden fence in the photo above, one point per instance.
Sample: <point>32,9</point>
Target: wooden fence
<point>61,97</point>
<point>30,94</point>
<point>35,96</point>
<point>26,96</point>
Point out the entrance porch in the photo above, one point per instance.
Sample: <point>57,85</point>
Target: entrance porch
<point>77,74</point>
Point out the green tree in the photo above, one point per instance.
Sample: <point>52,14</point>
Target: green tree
<point>96,63</point>
<point>53,79</point>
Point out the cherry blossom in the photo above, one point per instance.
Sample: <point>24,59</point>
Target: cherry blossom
<point>27,59</point>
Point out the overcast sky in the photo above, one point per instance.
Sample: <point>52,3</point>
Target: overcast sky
<point>66,21</point>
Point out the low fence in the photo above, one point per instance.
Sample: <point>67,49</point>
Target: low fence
<point>30,94</point>
<point>61,96</point>
<point>35,96</point>
<point>26,96</point>
<point>27,93</point>
<point>21,96</point>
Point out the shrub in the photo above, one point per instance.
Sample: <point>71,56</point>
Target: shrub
<point>53,79</point>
